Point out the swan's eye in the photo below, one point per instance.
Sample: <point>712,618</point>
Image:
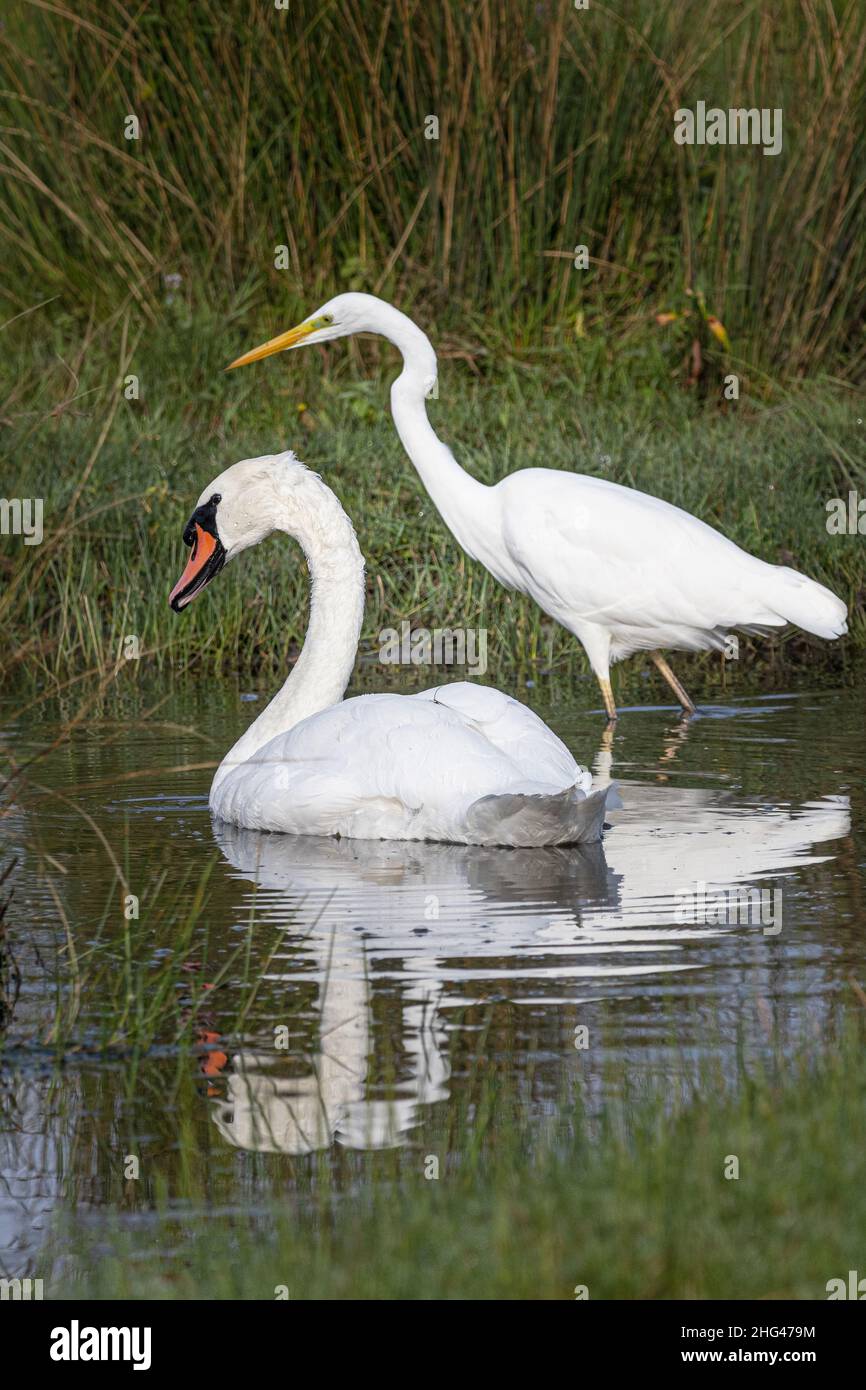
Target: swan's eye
<point>203,517</point>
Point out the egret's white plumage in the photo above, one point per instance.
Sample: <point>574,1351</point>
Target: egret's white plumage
<point>621,570</point>
<point>462,763</point>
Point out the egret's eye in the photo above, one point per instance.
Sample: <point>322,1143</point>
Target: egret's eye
<point>324,321</point>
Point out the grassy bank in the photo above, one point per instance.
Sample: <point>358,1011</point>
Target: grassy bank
<point>172,142</point>
<point>636,1205</point>
<point>177,188</point>
<point>119,478</point>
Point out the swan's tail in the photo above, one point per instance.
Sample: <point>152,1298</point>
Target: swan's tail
<point>523,819</point>
<point>806,603</point>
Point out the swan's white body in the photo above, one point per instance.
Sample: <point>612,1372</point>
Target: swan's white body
<point>457,763</point>
<point>462,763</point>
<point>621,570</point>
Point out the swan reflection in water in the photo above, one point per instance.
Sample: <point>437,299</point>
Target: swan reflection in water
<point>444,921</point>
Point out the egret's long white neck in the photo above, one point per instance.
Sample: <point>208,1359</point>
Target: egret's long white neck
<point>463,503</point>
<point>321,673</point>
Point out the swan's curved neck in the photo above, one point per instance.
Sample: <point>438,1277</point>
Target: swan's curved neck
<point>323,669</point>
<point>463,503</point>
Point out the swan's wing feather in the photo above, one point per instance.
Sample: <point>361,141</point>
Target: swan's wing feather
<point>568,817</point>
<point>513,729</point>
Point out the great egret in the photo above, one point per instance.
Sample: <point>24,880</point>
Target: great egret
<point>623,571</point>
<point>462,763</point>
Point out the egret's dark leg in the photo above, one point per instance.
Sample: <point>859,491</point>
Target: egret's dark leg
<point>672,681</point>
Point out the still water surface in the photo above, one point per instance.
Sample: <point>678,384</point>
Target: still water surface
<point>356,985</point>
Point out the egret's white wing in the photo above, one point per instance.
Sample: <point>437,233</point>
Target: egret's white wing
<point>609,554</point>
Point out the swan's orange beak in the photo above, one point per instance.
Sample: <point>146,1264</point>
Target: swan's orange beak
<point>293,338</point>
<point>206,559</point>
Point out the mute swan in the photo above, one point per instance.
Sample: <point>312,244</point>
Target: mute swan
<point>623,571</point>
<point>462,763</point>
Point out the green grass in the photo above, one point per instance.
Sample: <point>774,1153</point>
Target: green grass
<point>306,128</point>
<point>119,478</point>
<point>632,1205</point>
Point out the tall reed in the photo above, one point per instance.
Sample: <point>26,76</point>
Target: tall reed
<point>307,128</point>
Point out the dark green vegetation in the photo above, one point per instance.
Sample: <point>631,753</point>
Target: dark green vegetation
<point>305,128</point>
<point>636,1205</point>
<point>10,979</point>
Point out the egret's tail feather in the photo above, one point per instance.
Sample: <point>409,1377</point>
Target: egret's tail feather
<point>807,604</point>
<point>525,819</point>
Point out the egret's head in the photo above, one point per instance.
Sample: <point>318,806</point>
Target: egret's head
<point>238,509</point>
<point>359,313</point>
<point>341,316</point>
